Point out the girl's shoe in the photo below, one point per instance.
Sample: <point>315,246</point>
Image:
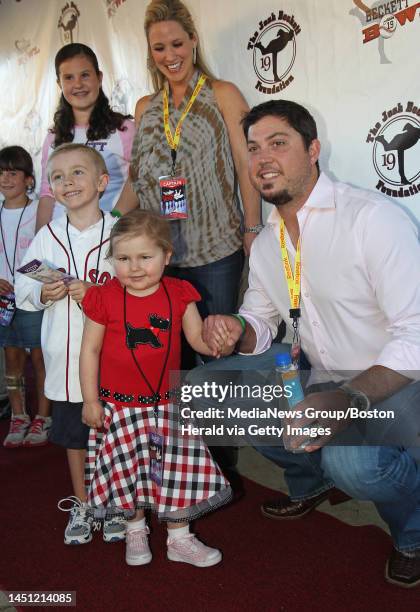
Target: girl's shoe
<point>38,431</point>
<point>19,425</point>
<point>114,529</point>
<point>79,527</point>
<point>137,550</point>
<point>189,549</point>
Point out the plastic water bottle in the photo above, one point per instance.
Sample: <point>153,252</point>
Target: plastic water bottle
<point>290,377</point>
<point>292,390</point>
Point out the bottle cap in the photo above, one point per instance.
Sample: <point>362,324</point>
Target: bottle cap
<point>283,359</point>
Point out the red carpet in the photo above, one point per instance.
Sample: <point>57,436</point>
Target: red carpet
<point>315,564</point>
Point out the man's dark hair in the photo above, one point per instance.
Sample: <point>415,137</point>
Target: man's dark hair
<point>296,116</point>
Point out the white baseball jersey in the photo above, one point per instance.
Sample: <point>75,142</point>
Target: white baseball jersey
<point>62,324</point>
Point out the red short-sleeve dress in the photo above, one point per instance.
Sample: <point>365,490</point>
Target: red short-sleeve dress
<point>141,347</point>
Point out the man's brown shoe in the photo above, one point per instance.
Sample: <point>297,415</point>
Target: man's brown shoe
<point>402,570</point>
<point>284,508</point>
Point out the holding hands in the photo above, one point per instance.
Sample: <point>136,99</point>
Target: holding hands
<point>221,333</point>
<point>77,290</point>
<point>52,292</point>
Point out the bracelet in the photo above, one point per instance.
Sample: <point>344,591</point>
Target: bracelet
<point>115,213</point>
<point>241,320</point>
<point>254,229</point>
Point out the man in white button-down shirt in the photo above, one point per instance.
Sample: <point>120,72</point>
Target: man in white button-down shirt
<point>359,325</point>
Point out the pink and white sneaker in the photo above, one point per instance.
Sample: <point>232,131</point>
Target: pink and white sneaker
<point>19,425</point>
<point>189,549</point>
<point>137,550</point>
<point>38,431</point>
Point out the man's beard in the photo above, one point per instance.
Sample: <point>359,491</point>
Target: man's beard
<point>278,199</point>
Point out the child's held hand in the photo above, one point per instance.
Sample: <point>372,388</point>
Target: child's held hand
<point>93,414</point>
<point>5,287</point>
<point>52,292</point>
<point>77,289</point>
<point>221,340</point>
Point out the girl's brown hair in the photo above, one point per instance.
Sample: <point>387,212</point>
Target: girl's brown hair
<point>171,10</point>
<point>142,223</point>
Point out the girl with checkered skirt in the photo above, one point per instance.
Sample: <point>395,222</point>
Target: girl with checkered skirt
<point>137,456</point>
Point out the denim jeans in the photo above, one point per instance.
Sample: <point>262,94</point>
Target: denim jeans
<point>389,476</point>
<point>302,472</point>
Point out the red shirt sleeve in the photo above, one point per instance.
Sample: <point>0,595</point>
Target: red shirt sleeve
<point>94,306</point>
<point>187,295</point>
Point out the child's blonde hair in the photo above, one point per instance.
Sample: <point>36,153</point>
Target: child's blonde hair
<point>142,223</point>
<point>95,157</point>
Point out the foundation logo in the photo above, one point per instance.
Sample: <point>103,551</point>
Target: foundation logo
<point>26,50</point>
<point>273,47</point>
<point>68,23</point>
<point>382,19</point>
<point>395,139</point>
<point>112,6</point>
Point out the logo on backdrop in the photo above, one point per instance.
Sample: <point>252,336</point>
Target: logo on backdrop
<point>382,19</point>
<point>273,47</point>
<point>25,49</point>
<point>68,23</point>
<point>395,141</point>
<point>121,96</point>
<point>112,6</point>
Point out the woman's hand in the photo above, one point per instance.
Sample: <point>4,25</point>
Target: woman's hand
<point>93,414</point>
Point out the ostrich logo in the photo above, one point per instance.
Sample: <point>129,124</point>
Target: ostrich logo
<point>396,150</point>
<point>68,23</point>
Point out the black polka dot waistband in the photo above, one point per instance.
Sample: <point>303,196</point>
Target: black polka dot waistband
<point>140,399</point>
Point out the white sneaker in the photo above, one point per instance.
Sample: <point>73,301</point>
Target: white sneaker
<point>19,425</point>
<point>189,549</point>
<point>114,529</point>
<point>38,431</point>
<point>137,550</point>
<point>79,527</point>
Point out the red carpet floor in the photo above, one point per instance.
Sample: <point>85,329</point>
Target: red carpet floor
<point>316,564</point>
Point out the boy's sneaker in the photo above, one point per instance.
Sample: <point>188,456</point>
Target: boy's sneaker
<point>114,529</point>
<point>137,550</point>
<point>38,431</point>
<point>5,410</point>
<point>79,527</point>
<point>189,549</point>
<point>19,425</point>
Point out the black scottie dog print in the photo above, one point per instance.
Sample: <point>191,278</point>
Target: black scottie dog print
<point>146,335</point>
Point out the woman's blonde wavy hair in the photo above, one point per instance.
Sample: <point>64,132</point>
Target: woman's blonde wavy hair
<point>171,10</point>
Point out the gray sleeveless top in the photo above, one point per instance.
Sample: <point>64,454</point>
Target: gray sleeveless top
<point>204,158</point>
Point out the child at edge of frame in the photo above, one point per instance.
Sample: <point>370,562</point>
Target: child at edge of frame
<point>19,330</point>
<point>75,243</point>
<point>132,337</point>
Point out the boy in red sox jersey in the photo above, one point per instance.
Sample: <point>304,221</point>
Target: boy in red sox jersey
<point>76,243</point>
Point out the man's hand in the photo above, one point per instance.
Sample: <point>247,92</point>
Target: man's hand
<point>330,403</point>
<point>221,333</point>
<point>77,290</point>
<point>93,414</point>
<point>52,292</point>
<point>5,287</point>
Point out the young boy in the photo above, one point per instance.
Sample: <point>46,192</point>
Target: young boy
<point>77,244</point>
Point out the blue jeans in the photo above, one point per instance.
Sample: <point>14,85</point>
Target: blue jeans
<point>389,476</point>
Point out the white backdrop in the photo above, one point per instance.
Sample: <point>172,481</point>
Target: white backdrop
<point>354,64</point>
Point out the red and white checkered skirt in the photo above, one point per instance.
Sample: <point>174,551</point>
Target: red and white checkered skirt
<point>118,460</point>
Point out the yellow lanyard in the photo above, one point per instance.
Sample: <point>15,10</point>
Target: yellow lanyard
<point>173,141</point>
<point>292,280</point>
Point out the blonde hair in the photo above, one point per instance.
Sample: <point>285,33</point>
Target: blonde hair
<point>95,157</point>
<point>142,223</point>
<point>171,10</point>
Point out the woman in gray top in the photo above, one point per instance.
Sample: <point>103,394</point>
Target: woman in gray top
<point>211,156</point>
